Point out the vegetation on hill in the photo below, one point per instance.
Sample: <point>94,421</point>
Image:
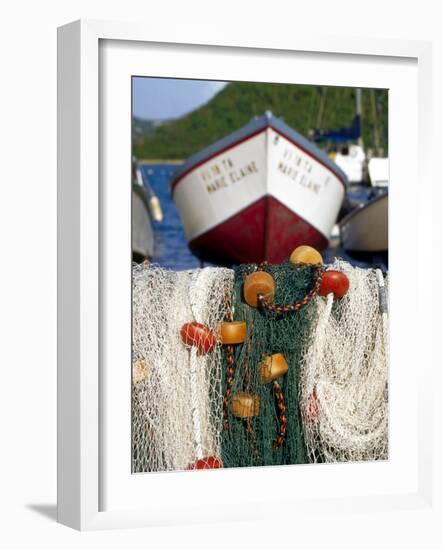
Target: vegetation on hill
<point>302,107</point>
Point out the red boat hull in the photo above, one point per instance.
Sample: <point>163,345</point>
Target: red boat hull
<point>265,230</point>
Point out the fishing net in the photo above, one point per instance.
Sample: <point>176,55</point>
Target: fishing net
<point>200,404</point>
<point>177,396</point>
<point>344,372</point>
<point>254,441</point>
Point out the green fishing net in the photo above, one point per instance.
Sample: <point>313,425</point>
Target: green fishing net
<point>251,442</point>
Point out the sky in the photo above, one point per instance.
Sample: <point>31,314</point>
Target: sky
<point>164,98</point>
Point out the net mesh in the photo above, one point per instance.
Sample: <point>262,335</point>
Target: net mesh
<point>177,396</point>
<point>344,372</point>
<point>331,404</point>
<point>251,442</point>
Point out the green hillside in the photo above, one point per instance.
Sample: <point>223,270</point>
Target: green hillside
<point>302,107</point>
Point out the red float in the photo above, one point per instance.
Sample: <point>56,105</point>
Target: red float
<point>335,282</point>
<point>198,335</point>
<point>312,408</point>
<point>207,463</point>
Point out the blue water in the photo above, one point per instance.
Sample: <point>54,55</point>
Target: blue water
<point>170,245</point>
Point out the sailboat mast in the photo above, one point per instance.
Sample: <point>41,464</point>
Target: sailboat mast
<point>358,111</point>
<point>375,124</point>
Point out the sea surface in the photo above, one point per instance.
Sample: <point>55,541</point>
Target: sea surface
<point>171,249</point>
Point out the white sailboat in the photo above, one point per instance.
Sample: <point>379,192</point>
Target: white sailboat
<point>365,227</point>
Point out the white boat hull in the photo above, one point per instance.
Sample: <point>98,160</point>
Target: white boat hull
<point>263,192</point>
<point>142,232</point>
<point>379,171</point>
<point>365,229</point>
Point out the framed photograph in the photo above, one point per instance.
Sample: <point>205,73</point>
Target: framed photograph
<point>237,338</point>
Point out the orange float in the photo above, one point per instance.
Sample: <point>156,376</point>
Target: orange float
<point>232,332</point>
<point>272,367</point>
<point>257,283</point>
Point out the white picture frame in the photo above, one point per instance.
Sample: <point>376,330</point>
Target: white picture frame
<point>95,486</point>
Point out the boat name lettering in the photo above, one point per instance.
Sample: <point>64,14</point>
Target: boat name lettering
<point>299,177</point>
<point>297,160</point>
<point>216,184</point>
<point>237,175</point>
<point>223,173</point>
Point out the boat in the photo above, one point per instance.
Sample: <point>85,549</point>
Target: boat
<point>345,145</point>
<point>365,229</point>
<point>257,194</point>
<point>351,158</point>
<point>146,208</point>
<point>378,168</point>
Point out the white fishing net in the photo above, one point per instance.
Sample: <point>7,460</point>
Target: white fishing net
<point>343,387</point>
<point>177,394</point>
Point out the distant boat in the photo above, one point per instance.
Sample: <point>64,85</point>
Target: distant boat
<point>351,159</point>
<point>378,168</point>
<point>345,148</point>
<point>145,208</point>
<point>365,229</point>
<point>348,152</point>
<point>257,194</point>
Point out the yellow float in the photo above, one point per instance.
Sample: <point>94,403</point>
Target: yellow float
<point>245,405</point>
<point>140,372</point>
<point>306,255</point>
